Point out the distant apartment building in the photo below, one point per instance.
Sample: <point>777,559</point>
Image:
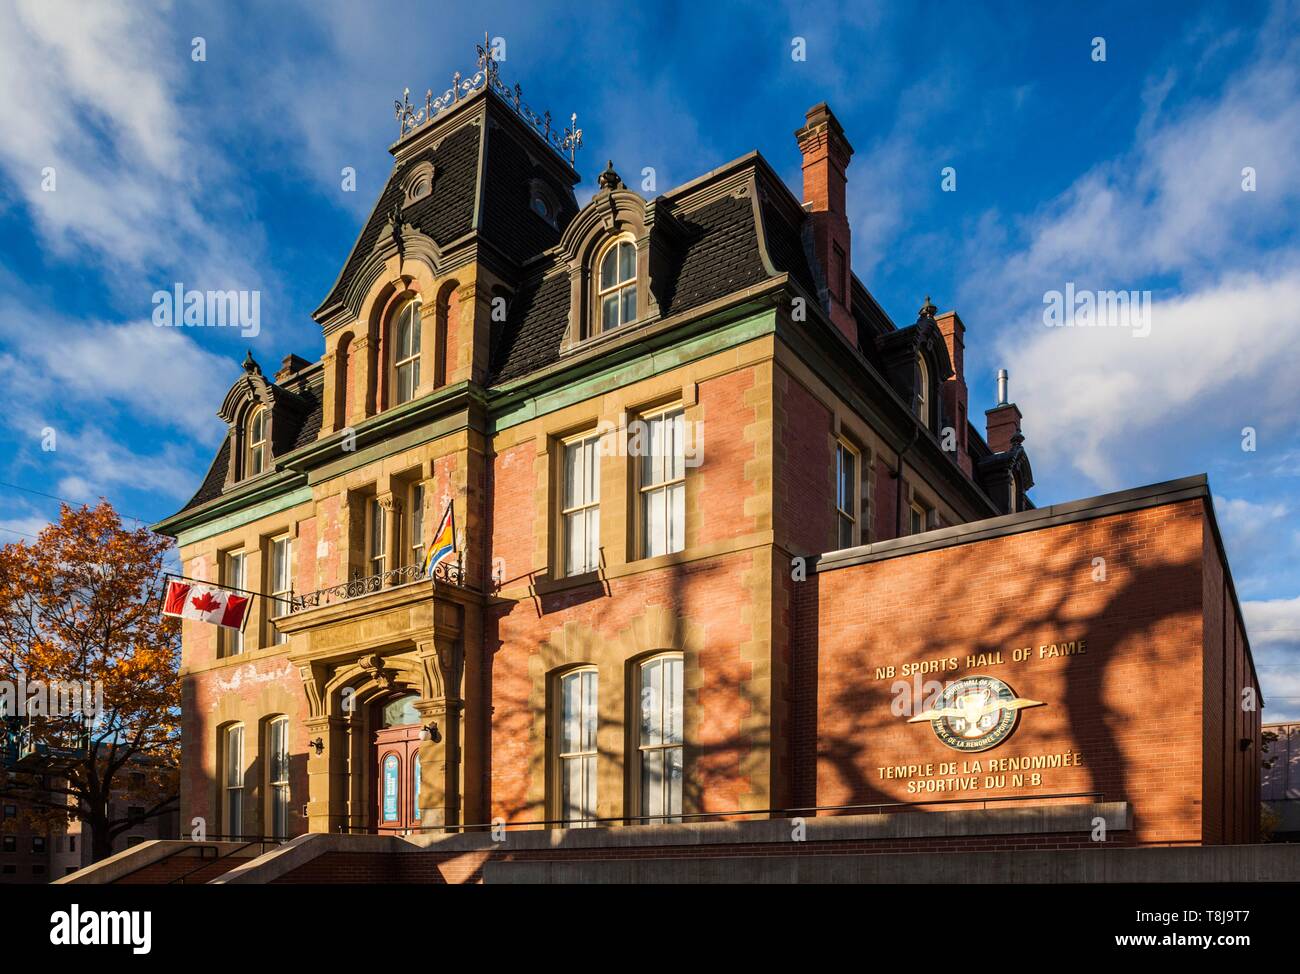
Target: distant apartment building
<point>1280,780</point>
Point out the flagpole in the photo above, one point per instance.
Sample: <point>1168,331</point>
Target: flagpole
<point>229,588</point>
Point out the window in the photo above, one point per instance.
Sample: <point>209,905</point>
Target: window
<point>281,583</point>
<point>377,527</point>
<point>38,843</point>
<point>10,869</point>
<point>10,843</point>
<point>415,786</point>
<point>617,291</point>
<point>846,493</point>
<point>277,750</point>
<point>662,453</point>
<point>72,843</point>
<point>920,518</point>
<point>660,739</point>
<point>416,539</point>
<point>233,781</point>
<point>38,869</point>
<point>256,443</point>
<point>576,749</point>
<point>406,353</point>
<point>11,811</point>
<point>923,391</point>
<point>580,505</point>
<point>235,564</point>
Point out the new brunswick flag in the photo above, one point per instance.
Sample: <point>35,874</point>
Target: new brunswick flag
<point>443,545</point>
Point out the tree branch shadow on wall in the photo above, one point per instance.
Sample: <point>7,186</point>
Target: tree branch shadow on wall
<point>1040,601</point>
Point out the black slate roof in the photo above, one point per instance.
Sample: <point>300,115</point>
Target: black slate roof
<point>720,256</point>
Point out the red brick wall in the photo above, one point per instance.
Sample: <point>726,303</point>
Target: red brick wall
<point>1130,706</point>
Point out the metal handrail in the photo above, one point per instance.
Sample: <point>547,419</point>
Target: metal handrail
<point>180,880</point>
<point>447,572</point>
<point>876,808</point>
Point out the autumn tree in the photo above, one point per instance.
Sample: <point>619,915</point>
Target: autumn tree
<point>96,728</point>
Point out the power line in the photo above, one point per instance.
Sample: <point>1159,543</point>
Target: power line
<point>64,500</point>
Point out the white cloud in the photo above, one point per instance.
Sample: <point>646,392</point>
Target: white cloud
<point>1272,622</point>
<point>92,91</point>
<point>1217,360</point>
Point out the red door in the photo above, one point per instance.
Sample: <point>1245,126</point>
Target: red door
<point>397,778</point>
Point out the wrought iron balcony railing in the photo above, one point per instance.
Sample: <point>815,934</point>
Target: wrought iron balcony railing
<point>448,573</point>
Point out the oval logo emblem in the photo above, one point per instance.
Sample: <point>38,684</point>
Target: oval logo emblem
<point>976,713</point>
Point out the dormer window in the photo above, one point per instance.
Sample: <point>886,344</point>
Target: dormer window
<point>616,297</point>
<point>406,353</point>
<point>923,391</point>
<point>256,443</point>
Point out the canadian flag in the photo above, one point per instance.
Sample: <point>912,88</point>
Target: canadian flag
<point>205,603</point>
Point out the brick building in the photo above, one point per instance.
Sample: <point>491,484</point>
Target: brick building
<point>713,506</point>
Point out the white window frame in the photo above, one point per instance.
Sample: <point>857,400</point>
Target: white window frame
<point>232,790</point>
<point>655,478</point>
<point>918,508</point>
<point>277,773</point>
<point>406,363</point>
<point>580,513</point>
<point>660,739</point>
<point>617,288</point>
<point>232,578</point>
<point>376,537</point>
<point>256,453</point>
<point>281,584</point>
<point>923,390</point>
<point>415,543</point>
<point>846,507</point>
<point>576,751</point>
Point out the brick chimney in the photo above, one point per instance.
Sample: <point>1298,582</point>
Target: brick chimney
<point>826,154</point>
<point>1003,420</point>
<point>955,398</point>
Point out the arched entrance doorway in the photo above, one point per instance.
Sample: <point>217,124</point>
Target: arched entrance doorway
<point>395,751</point>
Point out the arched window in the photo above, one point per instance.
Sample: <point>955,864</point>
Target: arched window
<point>923,391</point>
<point>277,775</point>
<point>406,352</point>
<point>616,286</point>
<point>232,782</point>
<point>256,443</point>
<point>575,752</point>
<point>659,739</point>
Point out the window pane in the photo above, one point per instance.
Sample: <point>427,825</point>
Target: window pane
<point>846,532</point>
<point>655,522</point>
<point>672,693</point>
<point>675,459</point>
<point>629,304</point>
<point>235,757</point>
<point>673,786</point>
<point>652,782</point>
<point>676,540</point>
<point>626,262</point>
<point>609,269</point>
<point>651,703</point>
<point>591,461</point>
<point>569,714</point>
<point>592,553</point>
<point>588,710</point>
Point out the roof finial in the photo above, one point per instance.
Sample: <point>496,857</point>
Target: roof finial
<point>928,309</point>
<point>250,365</point>
<point>609,179</point>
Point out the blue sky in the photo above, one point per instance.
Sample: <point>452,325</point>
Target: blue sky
<point>1122,174</point>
